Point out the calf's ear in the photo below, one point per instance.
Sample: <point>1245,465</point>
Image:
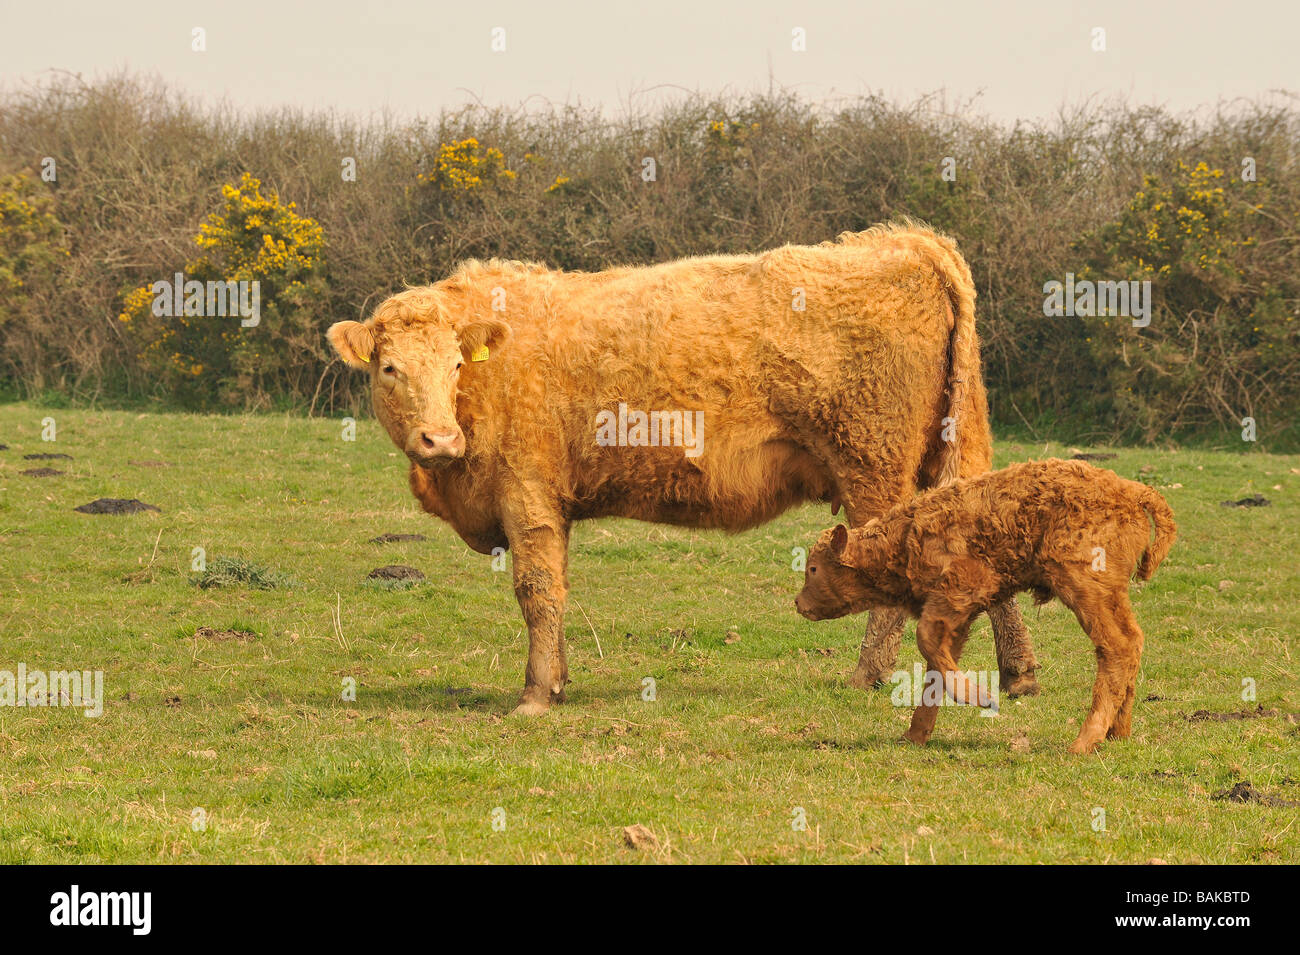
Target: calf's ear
<point>479,338</point>
<point>839,539</point>
<point>352,342</point>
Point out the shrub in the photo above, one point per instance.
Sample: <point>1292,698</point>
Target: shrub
<point>254,238</point>
<point>1223,337</point>
<point>32,247</point>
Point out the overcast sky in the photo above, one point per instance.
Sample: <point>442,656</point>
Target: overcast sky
<point>1023,58</point>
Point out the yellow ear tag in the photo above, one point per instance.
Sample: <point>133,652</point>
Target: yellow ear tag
<point>479,354</point>
<point>364,358</point>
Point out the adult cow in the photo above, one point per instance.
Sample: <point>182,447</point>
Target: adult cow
<point>845,372</point>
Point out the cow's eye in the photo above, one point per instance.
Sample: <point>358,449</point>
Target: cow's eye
<point>389,370</point>
<point>460,365</point>
<point>812,570</point>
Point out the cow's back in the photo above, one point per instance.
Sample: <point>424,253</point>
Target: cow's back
<point>792,356</point>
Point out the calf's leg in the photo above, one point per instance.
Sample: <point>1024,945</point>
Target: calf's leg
<point>940,643</point>
<point>1118,655</point>
<point>1122,726</point>
<point>878,656</point>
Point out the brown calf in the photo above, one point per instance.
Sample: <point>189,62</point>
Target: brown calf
<point>1057,528</point>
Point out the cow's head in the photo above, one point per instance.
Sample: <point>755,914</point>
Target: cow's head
<point>415,353</point>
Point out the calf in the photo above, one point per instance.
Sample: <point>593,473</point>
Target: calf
<point>1056,528</point>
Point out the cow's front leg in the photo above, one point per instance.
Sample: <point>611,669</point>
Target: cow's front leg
<point>541,556</point>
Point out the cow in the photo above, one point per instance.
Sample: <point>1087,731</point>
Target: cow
<point>846,372</point>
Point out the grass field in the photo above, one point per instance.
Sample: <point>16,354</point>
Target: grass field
<point>255,733</point>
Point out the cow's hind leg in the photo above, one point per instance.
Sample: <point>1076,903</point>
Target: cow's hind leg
<point>541,586</point>
<point>878,656</point>
<point>1016,661</point>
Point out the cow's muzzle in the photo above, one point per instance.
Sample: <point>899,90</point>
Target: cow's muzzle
<point>437,445</point>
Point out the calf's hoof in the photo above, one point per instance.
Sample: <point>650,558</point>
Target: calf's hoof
<point>1019,684</point>
<point>916,739</point>
<point>1082,747</point>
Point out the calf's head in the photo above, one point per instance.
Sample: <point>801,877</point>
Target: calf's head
<point>416,355</point>
<point>831,587</point>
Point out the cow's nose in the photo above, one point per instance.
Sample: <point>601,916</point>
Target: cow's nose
<point>435,444</point>
<point>439,442</point>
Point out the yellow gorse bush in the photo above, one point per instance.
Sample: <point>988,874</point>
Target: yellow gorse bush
<point>31,238</point>
<point>254,237</point>
<point>465,166</point>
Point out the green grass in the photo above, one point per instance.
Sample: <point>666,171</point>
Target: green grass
<point>257,735</point>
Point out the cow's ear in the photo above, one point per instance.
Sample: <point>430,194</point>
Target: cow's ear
<point>479,338</point>
<point>353,343</point>
<point>839,540</point>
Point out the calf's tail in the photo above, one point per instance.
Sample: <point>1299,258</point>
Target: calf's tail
<point>1162,516</point>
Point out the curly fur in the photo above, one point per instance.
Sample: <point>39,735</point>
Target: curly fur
<point>844,401</point>
<point>1054,528</point>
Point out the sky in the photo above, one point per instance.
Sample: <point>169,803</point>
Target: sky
<point>1011,59</point>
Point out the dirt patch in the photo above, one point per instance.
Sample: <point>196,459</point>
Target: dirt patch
<point>115,505</point>
<point>1094,456</point>
<point>640,838</point>
<point>148,464</point>
<point>4,447</point>
<point>47,457</point>
<point>220,636</point>
<point>396,538</point>
<point>1255,500</point>
<point>1206,716</point>
<point>1245,792</point>
<point>41,472</point>
<point>395,572</point>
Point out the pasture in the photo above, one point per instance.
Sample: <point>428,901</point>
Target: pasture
<point>230,700</point>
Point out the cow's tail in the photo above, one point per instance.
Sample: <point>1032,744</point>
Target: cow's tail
<point>964,429</point>
<point>965,439</point>
<point>1162,516</point>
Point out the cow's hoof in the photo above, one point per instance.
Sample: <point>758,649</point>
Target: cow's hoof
<point>914,740</point>
<point>530,708</point>
<point>1020,684</point>
<point>1082,747</point>
<point>861,679</point>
